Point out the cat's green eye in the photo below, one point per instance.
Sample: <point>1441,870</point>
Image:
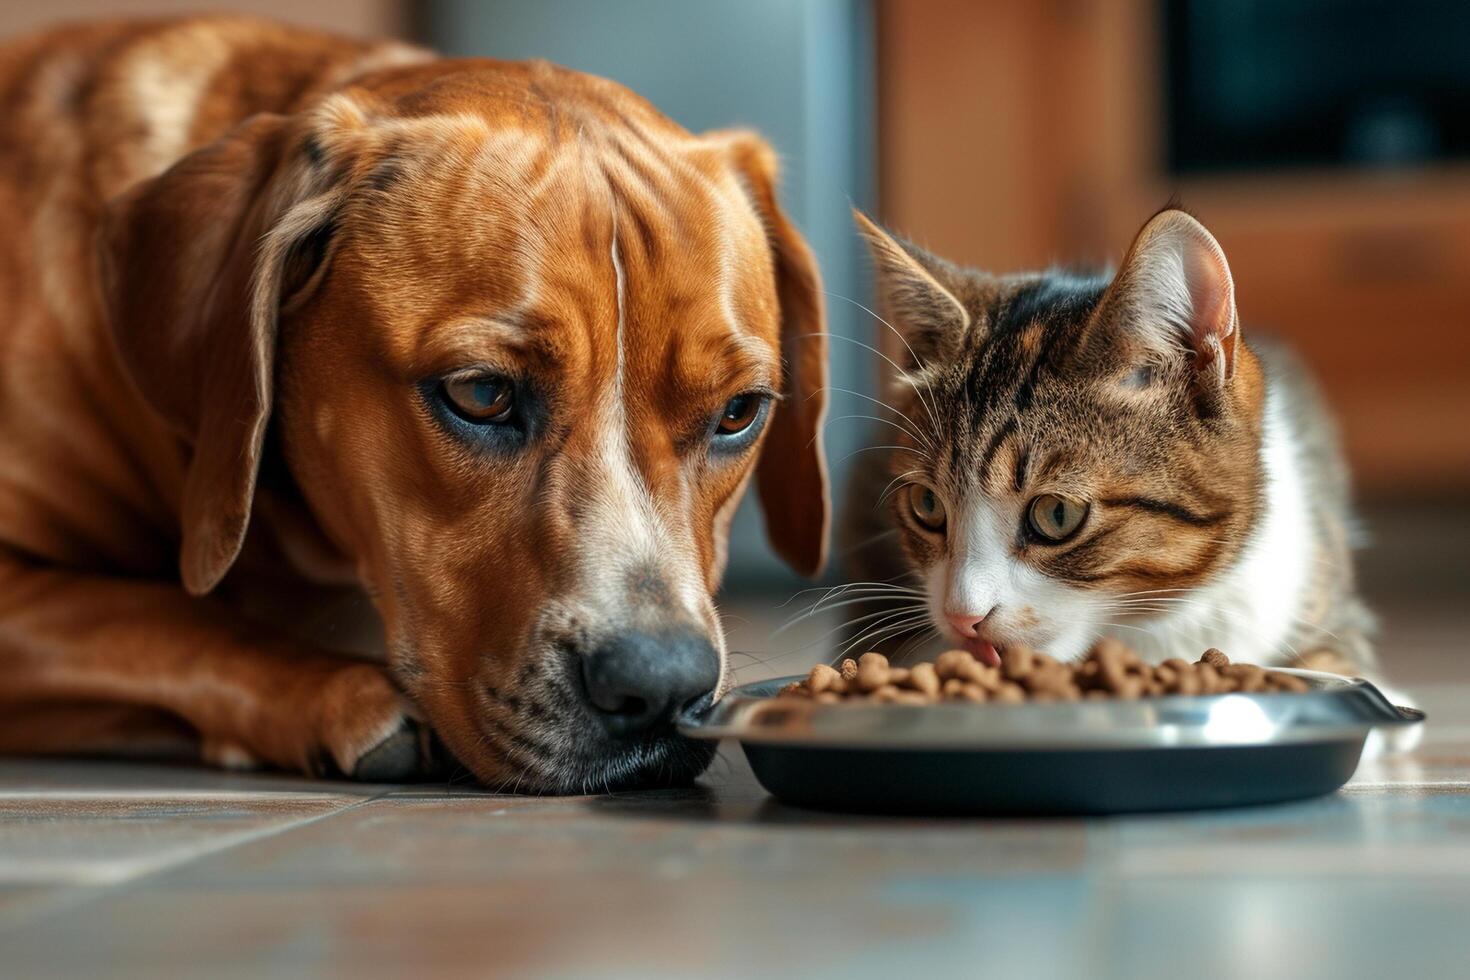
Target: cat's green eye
<point>1055,518</point>
<point>927,507</point>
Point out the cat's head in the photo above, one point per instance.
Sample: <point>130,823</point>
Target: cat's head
<point>1076,451</point>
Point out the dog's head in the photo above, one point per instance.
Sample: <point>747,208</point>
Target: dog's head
<point>522,342</point>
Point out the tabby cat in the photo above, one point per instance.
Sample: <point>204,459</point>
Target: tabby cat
<point>1071,456</point>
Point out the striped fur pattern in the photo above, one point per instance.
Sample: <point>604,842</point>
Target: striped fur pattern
<point>1215,498</point>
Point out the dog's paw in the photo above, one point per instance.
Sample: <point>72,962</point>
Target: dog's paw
<point>229,755</point>
<point>404,755</point>
<point>370,731</point>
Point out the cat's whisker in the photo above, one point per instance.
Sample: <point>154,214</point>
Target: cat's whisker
<point>928,409</point>
<point>1125,595</point>
<point>878,619</point>
<point>891,598</point>
<point>885,619</point>
<point>850,549</point>
<point>842,603</point>
<point>917,639</point>
<point>857,592</point>
<point>874,637</point>
<point>905,475</point>
<point>914,430</point>
<point>755,662</point>
<point>869,449</point>
<point>903,449</point>
<point>885,588</point>
<point>839,589</point>
<point>923,451</point>
<point>1197,603</point>
<point>876,418</point>
<point>1222,620</point>
<point>1109,625</point>
<point>919,363</point>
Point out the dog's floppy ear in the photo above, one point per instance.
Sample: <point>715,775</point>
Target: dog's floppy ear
<point>192,266</point>
<point>792,473</point>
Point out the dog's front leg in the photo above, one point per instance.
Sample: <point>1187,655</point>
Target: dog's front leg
<point>69,639</point>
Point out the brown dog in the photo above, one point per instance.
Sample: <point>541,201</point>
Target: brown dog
<point>496,344</point>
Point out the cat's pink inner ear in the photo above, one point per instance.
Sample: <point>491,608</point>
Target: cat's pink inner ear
<point>1181,269</point>
<point>1212,299</point>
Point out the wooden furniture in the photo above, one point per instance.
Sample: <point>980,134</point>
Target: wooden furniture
<point>1014,134</point>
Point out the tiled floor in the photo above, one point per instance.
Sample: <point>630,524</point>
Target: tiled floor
<point>133,870</point>
<point>220,875</point>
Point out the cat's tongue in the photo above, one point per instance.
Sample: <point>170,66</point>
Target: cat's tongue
<point>983,651</point>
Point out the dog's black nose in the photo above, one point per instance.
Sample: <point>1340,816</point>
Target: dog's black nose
<point>640,680</point>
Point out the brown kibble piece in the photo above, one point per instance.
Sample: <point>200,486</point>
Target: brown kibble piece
<point>1287,682</point>
<point>821,678</point>
<point>975,672</point>
<point>1131,689</point>
<point>975,693</point>
<point>886,693</point>
<point>872,671</point>
<point>950,663</point>
<point>1009,693</point>
<point>1250,677</point>
<point>1017,661</point>
<point>1110,670</point>
<point>925,679</point>
<point>1214,658</point>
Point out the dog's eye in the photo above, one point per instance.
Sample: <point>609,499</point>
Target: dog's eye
<point>1053,518</point>
<point>482,399</point>
<point>738,424</point>
<point>927,507</point>
<point>738,415</point>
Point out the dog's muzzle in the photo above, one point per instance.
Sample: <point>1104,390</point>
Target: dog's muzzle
<point>639,683</point>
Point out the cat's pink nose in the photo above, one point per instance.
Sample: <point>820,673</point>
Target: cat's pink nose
<point>965,624</point>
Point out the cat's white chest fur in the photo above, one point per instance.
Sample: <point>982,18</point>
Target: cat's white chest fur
<point>1249,610</point>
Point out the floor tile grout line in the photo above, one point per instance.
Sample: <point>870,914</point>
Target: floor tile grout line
<point>72,897</point>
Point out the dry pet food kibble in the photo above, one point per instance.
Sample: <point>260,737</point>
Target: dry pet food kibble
<point>1110,670</point>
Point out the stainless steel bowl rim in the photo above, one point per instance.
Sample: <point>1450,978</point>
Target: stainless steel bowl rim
<point>1336,709</point>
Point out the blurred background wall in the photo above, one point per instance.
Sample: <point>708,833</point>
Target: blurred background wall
<point>1325,142</point>
<point>372,18</point>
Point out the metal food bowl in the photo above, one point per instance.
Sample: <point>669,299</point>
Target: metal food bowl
<point>1163,753</point>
